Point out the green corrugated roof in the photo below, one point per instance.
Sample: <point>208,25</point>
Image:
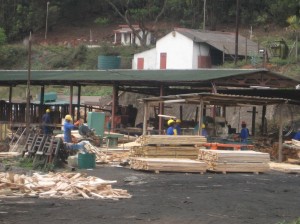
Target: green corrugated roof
<point>146,78</point>
<point>119,75</point>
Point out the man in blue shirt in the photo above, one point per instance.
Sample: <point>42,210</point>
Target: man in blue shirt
<point>46,122</point>
<point>297,135</point>
<point>177,126</point>
<point>171,129</point>
<point>68,126</point>
<point>244,133</point>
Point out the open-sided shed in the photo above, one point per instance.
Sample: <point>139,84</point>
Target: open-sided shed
<point>202,99</point>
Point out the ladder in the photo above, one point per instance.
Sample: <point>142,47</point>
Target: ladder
<point>38,144</point>
<point>29,142</point>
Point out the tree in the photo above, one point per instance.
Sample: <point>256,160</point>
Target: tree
<point>141,12</point>
<point>2,36</point>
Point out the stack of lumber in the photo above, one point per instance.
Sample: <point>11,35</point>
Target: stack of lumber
<point>284,167</point>
<point>167,164</point>
<point>59,185</point>
<point>187,152</point>
<point>172,140</point>
<point>9,154</point>
<point>235,161</point>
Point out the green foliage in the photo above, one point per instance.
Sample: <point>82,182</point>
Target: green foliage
<point>2,36</point>
<point>26,162</point>
<point>12,56</point>
<point>297,221</point>
<point>102,21</point>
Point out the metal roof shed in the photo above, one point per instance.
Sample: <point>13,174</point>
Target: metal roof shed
<point>202,99</point>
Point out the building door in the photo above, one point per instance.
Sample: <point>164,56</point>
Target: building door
<point>163,60</point>
<point>140,63</point>
<point>204,61</point>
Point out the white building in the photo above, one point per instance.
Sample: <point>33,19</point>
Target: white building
<point>125,36</point>
<point>192,49</point>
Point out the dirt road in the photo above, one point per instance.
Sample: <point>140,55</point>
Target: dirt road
<point>170,198</point>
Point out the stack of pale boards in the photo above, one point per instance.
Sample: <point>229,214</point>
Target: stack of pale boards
<point>157,153</point>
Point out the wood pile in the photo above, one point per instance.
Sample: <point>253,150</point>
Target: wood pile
<point>59,185</point>
<point>107,156</point>
<point>9,154</point>
<point>235,161</point>
<point>284,167</point>
<point>172,140</point>
<point>188,152</point>
<point>168,164</point>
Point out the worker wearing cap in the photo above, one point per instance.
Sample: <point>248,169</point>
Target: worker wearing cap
<point>177,126</point>
<point>244,133</point>
<point>68,126</point>
<point>297,135</point>
<point>171,129</point>
<point>46,121</point>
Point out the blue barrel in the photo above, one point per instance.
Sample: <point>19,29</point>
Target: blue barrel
<point>109,62</point>
<point>86,161</point>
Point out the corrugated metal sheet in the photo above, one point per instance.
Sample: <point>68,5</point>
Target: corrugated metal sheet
<point>223,41</point>
<point>128,75</point>
<point>216,99</point>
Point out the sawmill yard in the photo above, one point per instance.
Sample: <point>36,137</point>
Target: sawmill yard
<point>272,197</point>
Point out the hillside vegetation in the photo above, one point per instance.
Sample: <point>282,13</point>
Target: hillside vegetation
<point>71,26</point>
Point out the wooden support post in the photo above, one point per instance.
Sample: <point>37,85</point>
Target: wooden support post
<point>200,117</point>
<point>10,104</point>
<point>280,135</point>
<point>145,118</point>
<point>263,119</point>
<point>253,120</point>
<point>71,101</point>
<point>161,111</point>
<point>180,112</point>
<point>42,105</point>
<point>114,106</point>
<point>78,102</point>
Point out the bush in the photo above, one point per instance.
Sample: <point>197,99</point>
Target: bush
<point>2,36</point>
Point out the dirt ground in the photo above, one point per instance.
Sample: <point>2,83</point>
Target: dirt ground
<point>169,198</point>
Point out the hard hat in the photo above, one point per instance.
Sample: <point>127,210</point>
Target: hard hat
<point>68,117</point>
<point>48,111</point>
<point>203,126</point>
<point>171,121</point>
<point>178,121</point>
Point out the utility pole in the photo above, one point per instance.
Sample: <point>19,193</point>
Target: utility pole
<point>237,31</point>
<point>28,88</point>
<point>204,15</point>
<point>46,29</point>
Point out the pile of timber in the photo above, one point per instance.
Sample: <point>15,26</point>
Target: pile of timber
<point>9,154</point>
<point>187,152</point>
<point>172,140</point>
<point>107,156</point>
<point>59,185</point>
<point>235,161</point>
<point>284,167</point>
<point>168,165</point>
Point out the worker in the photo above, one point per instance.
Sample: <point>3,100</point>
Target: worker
<point>244,133</point>
<point>68,126</point>
<point>204,131</point>
<point>46,123</point>
<point>177,126</point>
<point>171,129</point>
<point>297,135</point>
